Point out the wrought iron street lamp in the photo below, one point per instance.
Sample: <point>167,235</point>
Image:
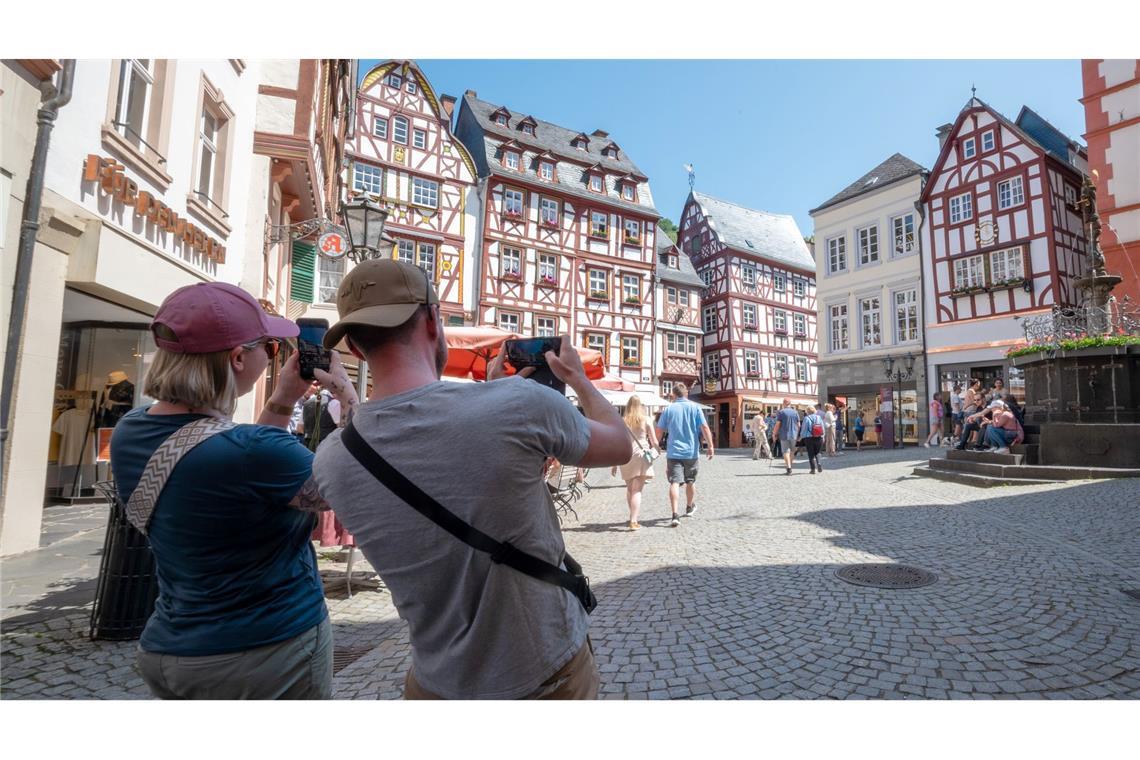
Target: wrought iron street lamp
<point>364,221</point>
<point>896,374</point>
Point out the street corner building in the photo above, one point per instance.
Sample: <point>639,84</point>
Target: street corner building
<point>869,276</point>
<point>758,311</point>
<point>677,295</point>
<point>1002,239</point>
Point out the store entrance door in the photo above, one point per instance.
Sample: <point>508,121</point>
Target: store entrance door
<point>722,426</point>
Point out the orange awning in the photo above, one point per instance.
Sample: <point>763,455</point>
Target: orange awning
<point>469,349</point>
<point>613,383</point>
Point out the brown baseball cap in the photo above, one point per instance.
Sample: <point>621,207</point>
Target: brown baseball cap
<point>379,293</point>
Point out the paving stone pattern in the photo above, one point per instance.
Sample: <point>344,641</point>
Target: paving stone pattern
<point>741,601</point>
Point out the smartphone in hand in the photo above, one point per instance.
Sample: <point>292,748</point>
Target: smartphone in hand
<point>531,352</point>
<point>310,346</point>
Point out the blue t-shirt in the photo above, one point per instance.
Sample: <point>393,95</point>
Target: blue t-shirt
<point>682,420</point>
<point>789,420</point>
<point>236,569</point>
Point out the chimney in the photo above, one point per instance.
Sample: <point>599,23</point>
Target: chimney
<point>943,133</point>
<point>600,133</point>
<point>448,104</point>
<point>472,93</point>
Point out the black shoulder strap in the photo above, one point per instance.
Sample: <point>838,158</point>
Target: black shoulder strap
<point>500,551</point>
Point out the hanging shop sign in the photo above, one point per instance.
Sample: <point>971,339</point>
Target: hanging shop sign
<point>332,244</point>
<point>112,180</point>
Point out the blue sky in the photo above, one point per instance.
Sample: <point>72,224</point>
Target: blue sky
<point>780,135</point>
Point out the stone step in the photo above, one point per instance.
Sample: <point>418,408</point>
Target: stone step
<point>979,481</point>
<point>1051,473</point>
<point>1030,451</point>
<point>972,466</point>
<point>984,456</point>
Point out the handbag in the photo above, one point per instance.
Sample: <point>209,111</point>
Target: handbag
<point>649,455</point>
<point>572,579</point>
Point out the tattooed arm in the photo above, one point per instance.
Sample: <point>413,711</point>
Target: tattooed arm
<point>308,499</point>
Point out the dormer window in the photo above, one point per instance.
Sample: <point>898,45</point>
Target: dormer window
<point>395,80</point>
<point>969,148</point>
<point>410,87</point>
<point>596,183</point>
<point>546,170</point>
<point>501,120</point>
<point>511,160</point>
<point>672,261</point>
<point>502,117</point>
<point>580,142</point>
<point>610,151</point>
<point>987,141</point>
<point>528,129</point>
<point>627,192</point>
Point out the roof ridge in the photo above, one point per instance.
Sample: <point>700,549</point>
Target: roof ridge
<point>741,206</point>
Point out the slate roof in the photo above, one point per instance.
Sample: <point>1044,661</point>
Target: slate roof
<point>895,168</point>
<point>776,237</point>
<point>1050,138</point>
<point>685,274</point>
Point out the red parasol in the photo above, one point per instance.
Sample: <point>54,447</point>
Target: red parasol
<point>613,383</point>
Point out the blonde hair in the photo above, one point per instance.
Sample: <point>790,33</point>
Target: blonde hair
<point>634,414</point>
<point>810,409</point>
<point>200,381</point>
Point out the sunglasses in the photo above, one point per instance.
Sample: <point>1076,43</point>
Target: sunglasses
<point>272,347</point>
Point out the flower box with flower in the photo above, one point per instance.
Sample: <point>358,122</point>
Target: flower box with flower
<point>752,373</point>
<point>631,301</point>
<point>783,376</point>
<point>632,240</point>
<point>780,331</point>
<point>549,223</point>
<point>1010,282</point>
<point>548,281</point>
<point>511,213</point>
<point>510,274</point>
<point>599,295</point>
<point>599,234</point>
<point>631,362</point>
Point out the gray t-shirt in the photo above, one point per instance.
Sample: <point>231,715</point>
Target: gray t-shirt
<point>477,629</point>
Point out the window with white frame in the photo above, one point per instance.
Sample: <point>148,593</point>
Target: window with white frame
<point>546,170</point>
<point>548,268</point>
<point>780,322</point>
<point>671,294</point>
<point>712,364</point>
<point>627,191</point>
<point>544,327</point>
<point>394,80</point>
<point>748,275</point>
<point>630,289</point>
<point>987,141</point>
<point>837,254</point>
<point>868,245</point>
<point>781,366</point>
<point>406,251</point>
<point>682,296</point>
<point>961,208</point>
<point>749,314</point>
<point>400,130</point>
<point>509,321</point>
<point>511,262</point>
<point>410,87</point>
<point>528,129</point>
<point>969,272</point>
<point>708,319</point>
<point>599,283</point>
<point>425,258</point>
<point>799,287</point>
<point>419,139</point>
<point>1010,193</point>
<point>425,192</point>
<point>666,388</point>
<point>512,202</point>
<point>595,183</point>
<point>752,363</point>
<point>706,276</point>
<point>799,324</point>
<point>211,161</point>
<point>870,317</point>
<point>380,127</point>
<point>329,274</point>
<point>548,211</point>
<point>902,231</point>
<point>597,341</point>
<point>136,93</point>
<point>691,345</point>
<point>969,148</point>
<point>599,224</point>
<point>1006,265</point>
<point>367,179</point>
<point>839,337</point>
<point>1070,194</point>
<point>778,282</point>
<point>632,229</point>
<point>511,159</point>
<point>906,315</point>
<point>671,342</point>
<point>801,369</point>
<point>630,352</point>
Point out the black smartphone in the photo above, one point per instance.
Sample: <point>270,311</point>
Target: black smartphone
<point>310,346</point>
<point>531,352</point>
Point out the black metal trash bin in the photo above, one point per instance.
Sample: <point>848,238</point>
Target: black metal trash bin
<point>128,584</point>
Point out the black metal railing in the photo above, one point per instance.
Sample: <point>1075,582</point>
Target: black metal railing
<point>129,132</point>
<point>210,202</point>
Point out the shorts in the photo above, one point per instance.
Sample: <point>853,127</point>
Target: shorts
<point>681,470</point>
<point>957,417</point>
<point>858,435</point>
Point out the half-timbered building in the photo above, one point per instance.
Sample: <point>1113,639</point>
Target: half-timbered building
<point>758,310</point>
<point>1003,239</point>
<point>405,157</point>
<point>677,298</point>
<point>567,240</point>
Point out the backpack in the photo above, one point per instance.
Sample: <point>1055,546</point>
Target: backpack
<point>816,426</point>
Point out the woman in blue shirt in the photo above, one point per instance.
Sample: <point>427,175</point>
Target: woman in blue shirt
<point>240,612</point>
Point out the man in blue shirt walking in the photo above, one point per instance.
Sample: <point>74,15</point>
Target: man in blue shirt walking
<point>685,424</point>
<point>787,429</point>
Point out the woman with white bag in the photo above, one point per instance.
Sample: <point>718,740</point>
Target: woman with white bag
<point>639,469</point>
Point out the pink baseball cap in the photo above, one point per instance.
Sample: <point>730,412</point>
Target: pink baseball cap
<point>214,316</point>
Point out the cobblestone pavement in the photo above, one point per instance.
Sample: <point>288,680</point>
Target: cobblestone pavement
<point>741,601</point>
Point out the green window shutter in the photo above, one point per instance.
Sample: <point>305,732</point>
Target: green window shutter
<point>304,272</point>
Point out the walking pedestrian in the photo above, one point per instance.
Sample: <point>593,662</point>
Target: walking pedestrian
<point>956,410</point>
<point>465,607</point>
<point>829,428</point>
<point>685,425</point>
<point>227,508</point>
<point>639,469</point>
<point>840,430</point>
<point>936,414</point>
<point>772,437</point>
<point>788,431</point>
<point>760,438</point>
<point>860,428</point>
<point>813,428</point>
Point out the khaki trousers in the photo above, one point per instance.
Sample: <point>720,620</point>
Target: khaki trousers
<point>760,447</point>
<point>577,679</point>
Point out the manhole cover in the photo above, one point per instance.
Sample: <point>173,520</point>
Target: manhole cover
<point>886,576</point>
<point>342,658</point>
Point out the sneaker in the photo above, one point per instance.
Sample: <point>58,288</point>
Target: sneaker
<point>634,525</point>
<point>674,523</point>
<point>819,467</point>
<point>690,509</point>
<point>789,472</point>
<point>926,445</point>
<point>1002,450</point>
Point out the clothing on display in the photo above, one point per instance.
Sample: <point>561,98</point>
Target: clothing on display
<point>117,398</point>
<point>74,427</point>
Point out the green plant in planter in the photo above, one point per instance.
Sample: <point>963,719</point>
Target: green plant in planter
<point>1075,344</point>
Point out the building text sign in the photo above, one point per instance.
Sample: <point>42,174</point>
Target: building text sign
<point>109,174</point>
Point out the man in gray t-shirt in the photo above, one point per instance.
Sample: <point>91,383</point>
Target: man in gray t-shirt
<point>478,629</point>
